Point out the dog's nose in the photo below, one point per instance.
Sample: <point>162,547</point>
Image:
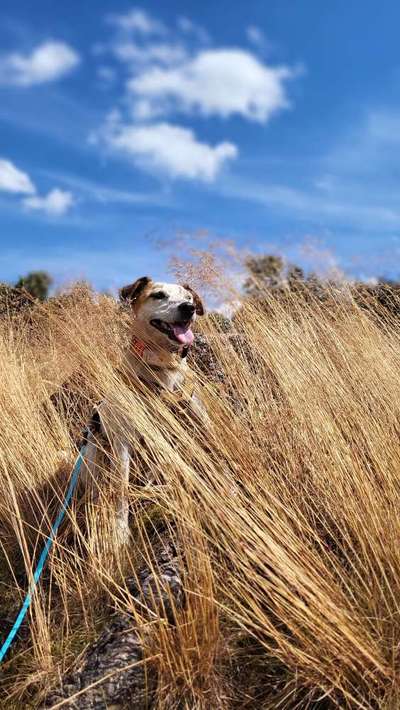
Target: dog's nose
<point>186,309</point>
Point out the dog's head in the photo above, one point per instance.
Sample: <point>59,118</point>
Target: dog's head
<point>164,313</point>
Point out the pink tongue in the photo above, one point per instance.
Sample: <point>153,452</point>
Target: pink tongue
<point>184,335</point>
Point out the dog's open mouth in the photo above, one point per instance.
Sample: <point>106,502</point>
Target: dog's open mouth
<point>180,332</point>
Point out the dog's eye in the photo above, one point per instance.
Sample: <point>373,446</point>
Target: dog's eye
<point>158,294</point>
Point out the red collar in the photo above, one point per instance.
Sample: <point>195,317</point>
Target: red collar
<point>137,346</point>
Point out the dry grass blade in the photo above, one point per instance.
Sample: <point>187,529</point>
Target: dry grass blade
<point>284,510</point>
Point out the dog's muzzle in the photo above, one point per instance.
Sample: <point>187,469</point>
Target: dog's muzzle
<point>179,332</point>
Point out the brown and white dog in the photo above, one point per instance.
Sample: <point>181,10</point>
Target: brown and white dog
<point>161,337</point>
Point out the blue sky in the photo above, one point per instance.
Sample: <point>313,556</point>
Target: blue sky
<point>273,124</point>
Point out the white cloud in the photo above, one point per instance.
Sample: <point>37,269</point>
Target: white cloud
<point>216,82</point>
<point>103,194</point>
<point>56,203</point>
<point>174,71</point>
<point>137,20</point>
<point>48,62</point>
<point>170,149</point>
<point>14,180</point>
<point>158,53</point>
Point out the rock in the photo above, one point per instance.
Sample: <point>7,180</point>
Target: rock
<point>118,646</point>
<point>121,643</point>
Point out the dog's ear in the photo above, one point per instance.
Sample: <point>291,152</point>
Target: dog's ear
<point>131,292</point>
<point>196,300</point>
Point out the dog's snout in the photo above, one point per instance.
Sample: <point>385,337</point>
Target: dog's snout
<point>186,309</point>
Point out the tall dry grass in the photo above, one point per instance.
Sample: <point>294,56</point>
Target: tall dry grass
<point>286,507</point>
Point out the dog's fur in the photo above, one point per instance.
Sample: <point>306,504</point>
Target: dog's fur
<point>162,316</point>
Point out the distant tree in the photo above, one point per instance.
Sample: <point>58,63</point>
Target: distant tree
<point>269,272</point>
<point>295,277</point>
<point>382,297</point>
<point>265,272</point>
<point>36,283</point>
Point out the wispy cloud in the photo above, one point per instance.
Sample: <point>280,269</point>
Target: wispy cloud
<point>370,145</point>
<point>102,194</point>
<point>137,21</point>
<point>256,36</point>
<point>312,205</point>
<point>160,53</point>
<point>47,62</point>
<point>60,117</point>
<point>351,187</point>
<point>55,204</point>
<point>14,180</point>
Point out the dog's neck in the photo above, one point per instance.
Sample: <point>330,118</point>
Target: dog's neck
<point>154,365</point>
<point>157,356</point>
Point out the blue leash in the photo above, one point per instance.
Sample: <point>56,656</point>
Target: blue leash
<point>42,559</point>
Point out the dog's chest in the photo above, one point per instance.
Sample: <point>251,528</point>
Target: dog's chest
<point>106,429</point>
<point>172,379</point>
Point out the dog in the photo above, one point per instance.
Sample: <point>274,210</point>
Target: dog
<point>162,316</point>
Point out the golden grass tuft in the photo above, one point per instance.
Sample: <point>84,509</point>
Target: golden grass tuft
<point>286,508</point>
